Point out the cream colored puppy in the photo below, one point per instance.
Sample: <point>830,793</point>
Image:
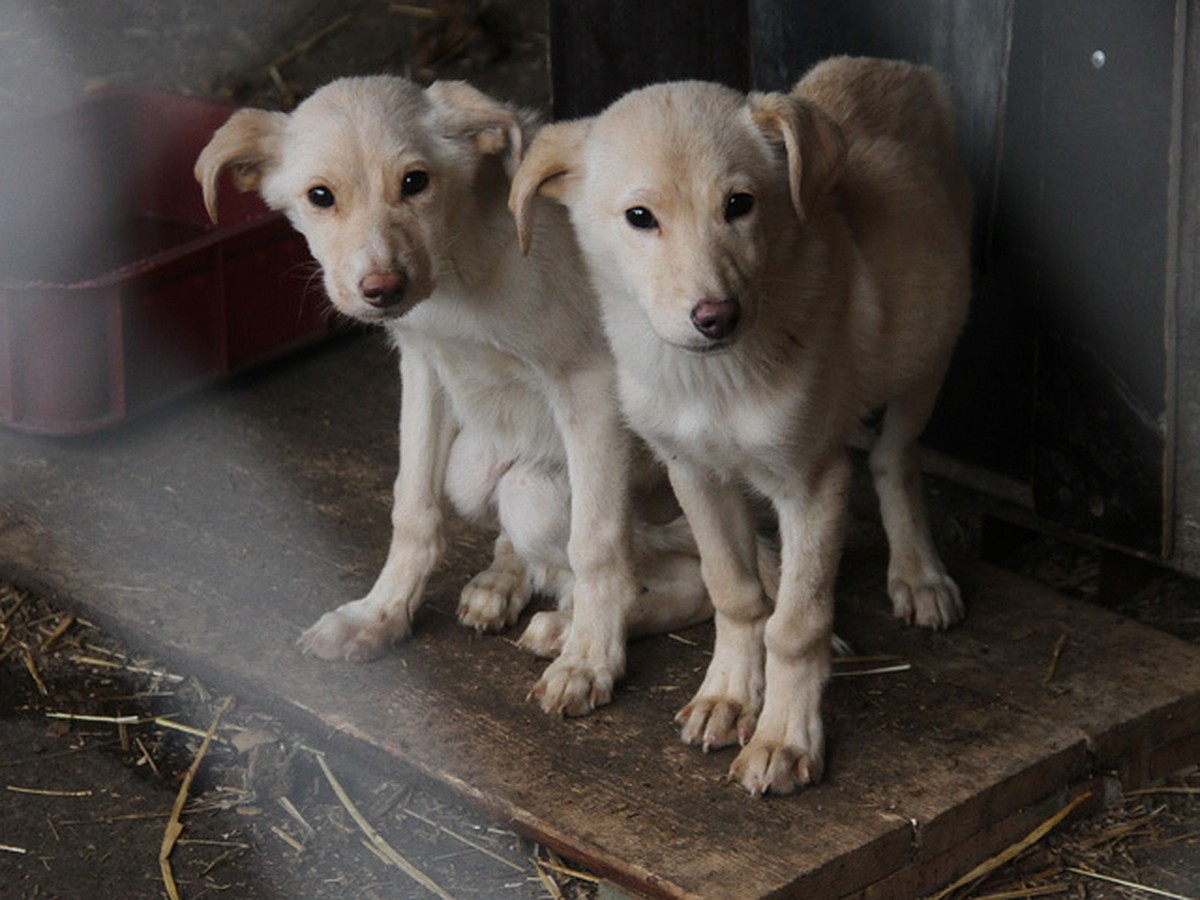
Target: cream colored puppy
<point>771,269</point>
<point>508,394</point>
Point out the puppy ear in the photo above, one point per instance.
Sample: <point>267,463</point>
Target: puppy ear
<point>494,128</point>
<point>247,145</point>
<point>550,168</point>
<point>815,146</point>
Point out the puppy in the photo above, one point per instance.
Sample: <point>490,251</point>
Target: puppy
<point>771,269</point>
<point>508,395</point>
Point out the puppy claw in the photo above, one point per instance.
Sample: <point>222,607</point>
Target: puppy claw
<point>573,689</point>
<point>772,768</point>
<point>713,722</point>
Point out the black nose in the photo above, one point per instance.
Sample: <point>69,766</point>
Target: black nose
<point>383,289</point>
<point>716,319</point>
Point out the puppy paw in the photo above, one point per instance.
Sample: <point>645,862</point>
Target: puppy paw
<point>725,709</point>
<point>346,634</point>
<point>787,750</point>
<point>546,633</point>
<point>493,599</point>
<point>715,722</point>
<point>573,688</point>
<point>766,766</point>
<point>933,601</point>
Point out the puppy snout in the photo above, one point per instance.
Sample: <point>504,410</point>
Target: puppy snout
<point>383,289</point>
<point>716,319</point>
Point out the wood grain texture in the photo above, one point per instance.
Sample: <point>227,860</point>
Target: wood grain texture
<point>214,532</point>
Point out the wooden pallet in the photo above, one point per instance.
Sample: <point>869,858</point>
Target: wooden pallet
<point>216,532</point>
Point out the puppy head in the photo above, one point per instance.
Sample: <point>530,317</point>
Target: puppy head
<point>680,194</point>
<point>376,173</point>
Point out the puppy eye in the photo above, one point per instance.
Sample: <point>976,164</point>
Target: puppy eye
<point>738,205</point>
<point>321,197</point>
<point>640,217</point>
<point>413,183</point>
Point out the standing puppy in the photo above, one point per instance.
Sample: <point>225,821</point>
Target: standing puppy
<point>772,269</point>
<point>508,395</point>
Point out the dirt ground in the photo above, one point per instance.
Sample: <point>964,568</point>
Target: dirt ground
<point>85,803</point>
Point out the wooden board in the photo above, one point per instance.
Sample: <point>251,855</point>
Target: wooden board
<point>216,531</point>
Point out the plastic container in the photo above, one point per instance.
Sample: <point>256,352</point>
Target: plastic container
<point>116,292</point>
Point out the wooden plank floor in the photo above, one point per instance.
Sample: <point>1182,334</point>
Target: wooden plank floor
<point>217,530</point>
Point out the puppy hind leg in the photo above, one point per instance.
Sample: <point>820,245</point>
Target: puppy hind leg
<point>921,589</point>
<point>673,596</point>
<point>548,629</point>
<point>534,508</point>
<point>666,564</point>
<point>492,601</point>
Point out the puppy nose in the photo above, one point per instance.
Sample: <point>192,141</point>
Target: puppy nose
<point>716,319</point>
<point>383,289</point>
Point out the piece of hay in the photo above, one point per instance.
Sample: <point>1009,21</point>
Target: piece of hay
<point>287,839</point>
<point>464,840</point>
<point>174,825</point>
<point>1045,890</point>
<point>384,849</point>
<point>1055,655</point>
<point>47,792</point>
<point>107,720</point>
<point>990,865</point>
<point>305,46</point>
<point>1131,885</point>
<point>31,667</point>
<point>290,809</point>
<point>66,622</point>
<point>547,880</point>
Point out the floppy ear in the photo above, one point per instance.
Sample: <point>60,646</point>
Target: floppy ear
<point>815,146</point>
<point>495,128</point>
<point>248,145</point>
<point>550,168</point>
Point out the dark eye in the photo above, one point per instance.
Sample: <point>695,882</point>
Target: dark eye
<point>321,197</point>
<point>414,182</point>
<point>738,205</point>
<point>640,217</point>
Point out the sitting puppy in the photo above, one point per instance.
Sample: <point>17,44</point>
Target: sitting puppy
<point>771,269</point>
<point>508,396</point>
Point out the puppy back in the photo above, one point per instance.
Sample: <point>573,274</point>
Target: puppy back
<point>906,107</point>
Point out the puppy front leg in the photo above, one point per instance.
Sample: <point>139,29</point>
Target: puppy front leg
<point>725,708</point>
<point>598,460</point>
<point>788,747</point>
<point>360,630</point>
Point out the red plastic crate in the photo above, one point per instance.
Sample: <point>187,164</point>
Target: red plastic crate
<point>116,292</point>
